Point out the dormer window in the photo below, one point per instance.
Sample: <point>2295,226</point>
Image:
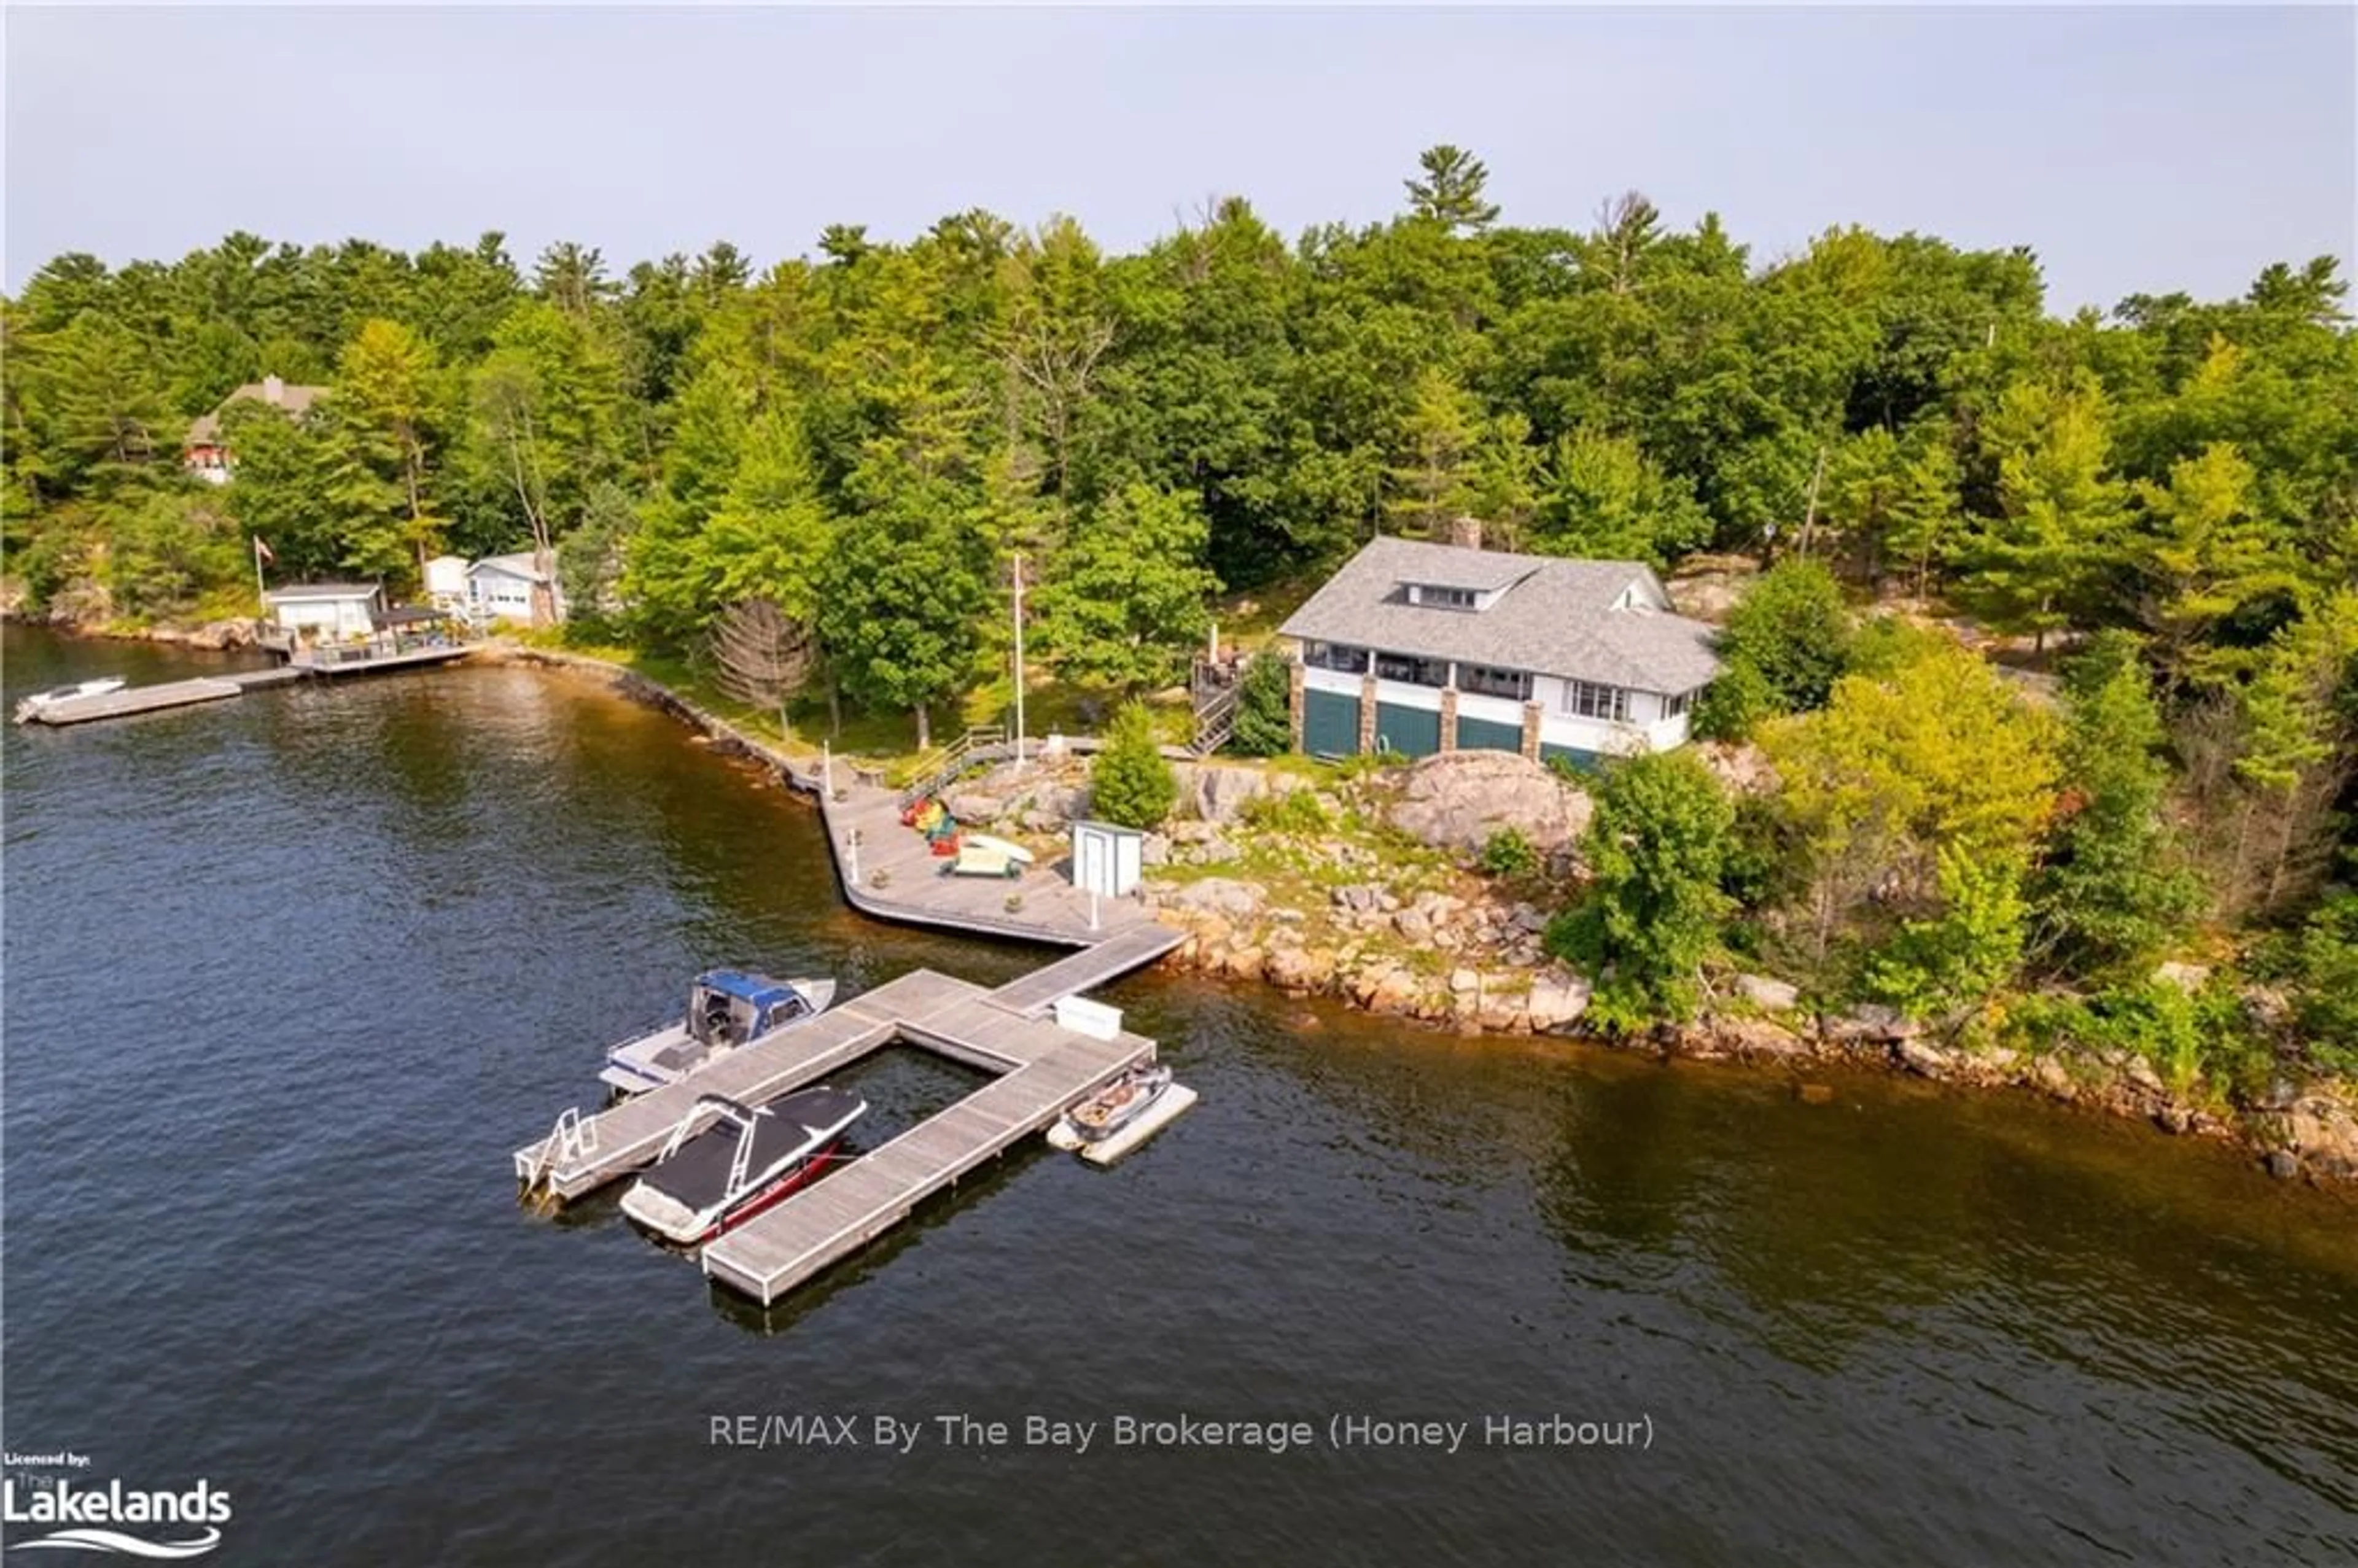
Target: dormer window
<point>1434,596</point>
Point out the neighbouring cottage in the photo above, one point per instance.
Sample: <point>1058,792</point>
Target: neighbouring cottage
<point>500,587</point>
<point>1416,648</point>
<point>207,456</point>
<point>330,611</point>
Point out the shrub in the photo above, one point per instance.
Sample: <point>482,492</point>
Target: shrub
<point>1294,811</point>
<point>1506,853</point>
<point>1658,847</point>
<point>1264,713</point>
<point>1130,784</point>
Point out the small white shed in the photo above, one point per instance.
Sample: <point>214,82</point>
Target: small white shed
<point>446,583</point>
<point>329,610</point>
<point>1106,859</point>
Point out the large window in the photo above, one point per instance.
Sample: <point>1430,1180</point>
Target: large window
<point>1489,682</point>
<point>1447,597</point>
<point>1592,701</point>
<point>1673,707</point>
<point>1340,657</point>
<point>1415,672</point>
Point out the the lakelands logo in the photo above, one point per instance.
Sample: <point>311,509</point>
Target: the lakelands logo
<point>91,1517</point>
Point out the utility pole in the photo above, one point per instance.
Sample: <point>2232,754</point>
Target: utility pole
<point>1019,661</point>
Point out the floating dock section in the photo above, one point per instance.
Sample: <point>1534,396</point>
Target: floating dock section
<point>1043,1069</point>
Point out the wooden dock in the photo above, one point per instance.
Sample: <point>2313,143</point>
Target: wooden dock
<point>865,832</point>
<point>134,699</point>
<point>1042,1070</point>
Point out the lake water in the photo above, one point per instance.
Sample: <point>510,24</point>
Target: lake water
<point>287,978</point>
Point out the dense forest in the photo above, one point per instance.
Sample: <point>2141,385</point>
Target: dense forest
<point>2160,503</point>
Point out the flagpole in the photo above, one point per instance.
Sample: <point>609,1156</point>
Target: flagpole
<point>1018,662</point>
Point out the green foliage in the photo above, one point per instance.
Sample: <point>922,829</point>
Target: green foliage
<point>1785,645</point>
<point>1657,848</point>
<point>1961,956</point>
<point>1131,784</point>
<point>1450,192</point>
<point>903,587</point>
<point>1731,706</point>
<point>1127,602</point>
<point>1264,725</point>
<point>1507,854</point>
<point>1603,498</point>
<point>2037,563</point>
<point>2112,892</point>
<point>2197,1042</point>
<point>2323,969</point>
<point>1294,811</point>
<point>1884,790</point>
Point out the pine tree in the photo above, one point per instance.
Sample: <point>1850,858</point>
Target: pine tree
<point>1132,783</point>
<point>1450,192</point>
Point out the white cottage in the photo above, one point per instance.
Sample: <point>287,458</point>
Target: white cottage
<point>500,587</point>
<point>332,611</point>
<point>1417,648</point>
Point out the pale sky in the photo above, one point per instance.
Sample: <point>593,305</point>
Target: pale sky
<point>2134,149</point>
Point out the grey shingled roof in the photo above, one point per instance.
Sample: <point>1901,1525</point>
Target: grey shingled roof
<point>1557,619</point>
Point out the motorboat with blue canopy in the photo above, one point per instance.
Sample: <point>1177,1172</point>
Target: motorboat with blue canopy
<point>726,1009</point>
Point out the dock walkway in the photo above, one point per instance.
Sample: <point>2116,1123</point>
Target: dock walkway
<point>1043,1071</point>
<point>132,699</point>
<point>865,832</point>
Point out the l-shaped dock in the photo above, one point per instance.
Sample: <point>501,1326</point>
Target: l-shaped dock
<point>1043,1067</point>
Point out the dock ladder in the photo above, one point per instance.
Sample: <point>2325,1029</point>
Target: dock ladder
<point>570,1138</point>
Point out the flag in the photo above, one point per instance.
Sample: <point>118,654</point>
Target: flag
<point>263,551</point>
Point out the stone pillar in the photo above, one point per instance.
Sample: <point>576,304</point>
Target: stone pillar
<point>1368,712</point>
<point>1449,718</point>
<point>1532,712</point>
<point>1295,702</point>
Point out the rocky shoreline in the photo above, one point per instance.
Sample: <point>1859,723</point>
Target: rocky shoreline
<point>1364,890</point>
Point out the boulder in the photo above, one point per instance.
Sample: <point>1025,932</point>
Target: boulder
<point>1757,1037</point>
<point>1872,1024</point>
<point>1557,1000</point>
<point>1457,800</point>
<point>2283,1165</point>
<point>1741,766</point>
<point>973,805</point>
<point>2185,976</point>
<point>1924,1060</point>
<point>1464,981</point>
<point>1300,969</point>
<point>2322,1129</point>
<point>1215,849</point>
<point>1220,895</point>
<point>1155,849</point>
<point>1706,588</point>
<point>1768,995</point>
<point>1360,898</point>
<point>1216,791</point>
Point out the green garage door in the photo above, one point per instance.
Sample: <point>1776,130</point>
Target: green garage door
<point>1488,735</point>
<point>1330,724</point>
<point>1411,731</point>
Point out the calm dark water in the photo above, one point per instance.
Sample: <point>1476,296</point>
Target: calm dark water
<point>288,978</point>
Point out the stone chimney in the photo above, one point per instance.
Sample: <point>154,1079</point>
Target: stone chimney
<point>274,391</point>
<point>1465,532</point>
